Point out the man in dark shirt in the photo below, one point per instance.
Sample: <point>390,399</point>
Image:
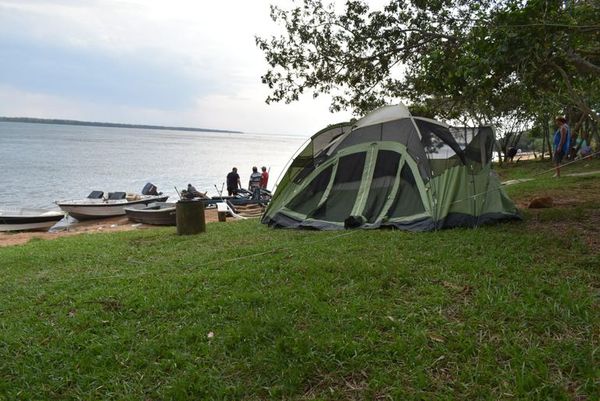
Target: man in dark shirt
<point>233,182</point>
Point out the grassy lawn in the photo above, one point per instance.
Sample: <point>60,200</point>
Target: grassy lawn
<point>246,312</point>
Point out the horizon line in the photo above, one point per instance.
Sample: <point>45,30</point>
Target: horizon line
<point>62,121</point>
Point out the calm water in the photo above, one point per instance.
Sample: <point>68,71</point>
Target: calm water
<point>41,163</point>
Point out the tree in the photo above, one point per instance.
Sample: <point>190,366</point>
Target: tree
<point>452,57</point>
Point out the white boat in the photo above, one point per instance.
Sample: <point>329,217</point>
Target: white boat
<point>25,219</point>
<point>97,208</point>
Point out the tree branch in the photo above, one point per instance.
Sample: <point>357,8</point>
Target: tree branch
<point>580,102</point>
<point>582,64</point>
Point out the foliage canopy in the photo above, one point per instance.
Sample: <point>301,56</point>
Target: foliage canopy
<point>449,58</point>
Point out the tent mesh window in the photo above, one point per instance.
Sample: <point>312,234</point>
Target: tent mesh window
<point>307,200</point>
<point>316,152</point>
<point>302,165</point>
<point>408,199</point>
<point>404,132</point>
<point>346,184</point>
<point>368,134</point>
<point>436,139</point>
<point>463,135</point>
<point>479,150</point>
<point>382,183</point>
<point>440,146</point>
<point>322,140</point>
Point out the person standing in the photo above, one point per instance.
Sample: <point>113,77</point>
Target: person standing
<point>264,177</point>
<point>233,182</point>
<point>562,142</point>
<point>254,182</point>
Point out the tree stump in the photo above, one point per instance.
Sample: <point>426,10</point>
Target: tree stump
<point>190,217</point>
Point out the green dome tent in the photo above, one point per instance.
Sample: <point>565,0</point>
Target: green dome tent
<point>391,169</point>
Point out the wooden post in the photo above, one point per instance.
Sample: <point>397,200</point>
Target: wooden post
<point>190,217</point>
<point>544,129</point>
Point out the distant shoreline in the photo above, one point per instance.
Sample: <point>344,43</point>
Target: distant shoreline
<point>109,125</point>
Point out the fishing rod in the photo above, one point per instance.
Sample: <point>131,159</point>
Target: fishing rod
<point>221,191</point>
<point>178,193</point>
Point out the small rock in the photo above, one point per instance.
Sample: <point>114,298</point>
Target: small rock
<point>541,203</point>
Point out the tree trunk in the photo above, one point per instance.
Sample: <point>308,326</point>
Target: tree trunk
<point>594,132</point>
<point>543,141</point>
<point>190,217</point>
<point>549,133</point>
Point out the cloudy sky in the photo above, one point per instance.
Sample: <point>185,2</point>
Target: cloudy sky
<point>176,62</point>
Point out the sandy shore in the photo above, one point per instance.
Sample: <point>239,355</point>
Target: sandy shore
<point>112,224</point>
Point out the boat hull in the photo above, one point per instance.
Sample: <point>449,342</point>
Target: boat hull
<point>41,222</point>
<point>162,215</point>
<point>99,210</point>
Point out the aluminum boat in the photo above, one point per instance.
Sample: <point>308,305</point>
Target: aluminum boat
<point>26,219</point>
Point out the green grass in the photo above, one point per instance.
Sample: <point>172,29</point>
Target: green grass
<point>500,312</point>
<point>544,169</point>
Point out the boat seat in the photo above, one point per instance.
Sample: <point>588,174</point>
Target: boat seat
<point>224,209</point>
<point>116,195</point>
<point>96,195</point>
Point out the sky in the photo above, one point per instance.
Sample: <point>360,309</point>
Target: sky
<point>177,62</point>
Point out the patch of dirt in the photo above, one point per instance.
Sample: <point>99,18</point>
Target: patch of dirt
<point>352,386</point>
<point>592,237</point>
<point>586,228</point>
<point>113,224</point>
<point>557,201</point>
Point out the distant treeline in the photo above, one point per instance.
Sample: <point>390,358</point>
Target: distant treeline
<point>100,124</point>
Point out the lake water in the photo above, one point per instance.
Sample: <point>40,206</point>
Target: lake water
<point>42,163</point>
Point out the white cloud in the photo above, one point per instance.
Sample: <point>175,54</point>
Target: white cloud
<point>204,40</point>
<point>239,114</point>
<point>187,31</point>
<point>18,103</point>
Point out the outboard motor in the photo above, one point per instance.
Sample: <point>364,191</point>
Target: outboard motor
<point>150,189</point>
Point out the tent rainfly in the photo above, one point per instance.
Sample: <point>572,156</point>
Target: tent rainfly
<point>391,169</point>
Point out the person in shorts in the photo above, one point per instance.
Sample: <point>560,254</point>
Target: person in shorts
<point>254,182</point>
<point>264,177</point>
<point>233,182</point>
<point>562,143</point>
